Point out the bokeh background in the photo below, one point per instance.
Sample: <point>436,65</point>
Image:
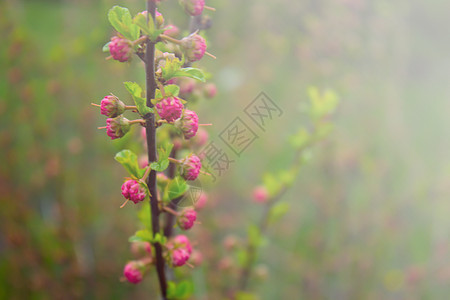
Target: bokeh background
<point>369,215</point>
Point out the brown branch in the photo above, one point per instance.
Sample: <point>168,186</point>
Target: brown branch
<point>151,145</point>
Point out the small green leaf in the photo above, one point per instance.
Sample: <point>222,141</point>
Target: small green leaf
<point>144,215</point>
<point>172,90</point>
<point>176,188</point>
<point>321,105</point>
<point>163,155</point>
<point>159,238</point>
<point>271,183</point>
<point>141,21</point>
<point>300,139</point>
<point>136,92</point>
<point>143,235</point>
<point>254,236</point>
<point>191,73</point>
<point>277,211</point>
<point>180,291</point>
<point>128,159</point>
<point>170,68</point>
<point>106,47</point>
<point>120,19</point>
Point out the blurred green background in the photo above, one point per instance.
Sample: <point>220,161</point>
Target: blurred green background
<point>370,213</point>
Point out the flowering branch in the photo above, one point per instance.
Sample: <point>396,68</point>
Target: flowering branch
<point>151,146</point>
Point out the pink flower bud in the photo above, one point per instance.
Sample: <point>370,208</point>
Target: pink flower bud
<point>193,7</point>
<point>169,109</point>
<point>179,257</point>
<point>172,31</point>
<point>196,258</point>
<point>111,106</point>
<point>143,161</point>
<point>187,86</point>
<point>187,218</point>
<point>158,17</point>
<point>132,190</point>
<point>201,138</point>
<point>182,241</point>
<point>140,249</point>
<point>210,90</point>
<point>180,250</point>
<point>133,271</point>
<point>191,167</point>
<point>188,124</point>
<point>120,49</point>
<point>194,47</point>
<point>117,127</point>
<point>172,81</point>
<point>162,178</point>
<point>201,201</point>
<point>260,194</point>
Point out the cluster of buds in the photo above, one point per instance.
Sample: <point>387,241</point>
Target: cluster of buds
<point>111,106</point>
<point>134,191</point>
<point>121,49</point>
<point>179,250</point>
<point>188,124</point>
<point>169,109</point>
<point>190,167</point>
<point>117,127</point>
<point>134,270</point>
<point>194,47</point>
<point>186,218</point>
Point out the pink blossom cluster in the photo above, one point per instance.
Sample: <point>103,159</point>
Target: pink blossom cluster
<point>187,218</point>
<point>132,190</point>
<point>191,167</point>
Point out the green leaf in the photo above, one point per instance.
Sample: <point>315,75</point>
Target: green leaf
<point>321,105</point>
<point>277,211</point>
<point>254,236</point>
<point>106,47</point>
<point>144,215</point>
<point>136,92</point>
<point>176,188</point>
<point>120,19</point>
<point>183,290</point>
<point>129,161</point>
<point>163,155</point>
<point>143,235</point>
<point>191,73</point>
<point>172,90</point>
<point>170,68</point>
<point>159,238</point>
<point>271,183</point>
<point>141,21</point>
<point>300,139</point>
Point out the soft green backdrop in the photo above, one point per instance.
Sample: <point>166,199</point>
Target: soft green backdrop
<point>370,213</point>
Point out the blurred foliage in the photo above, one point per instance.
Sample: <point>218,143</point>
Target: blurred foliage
<point>368,219</point>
